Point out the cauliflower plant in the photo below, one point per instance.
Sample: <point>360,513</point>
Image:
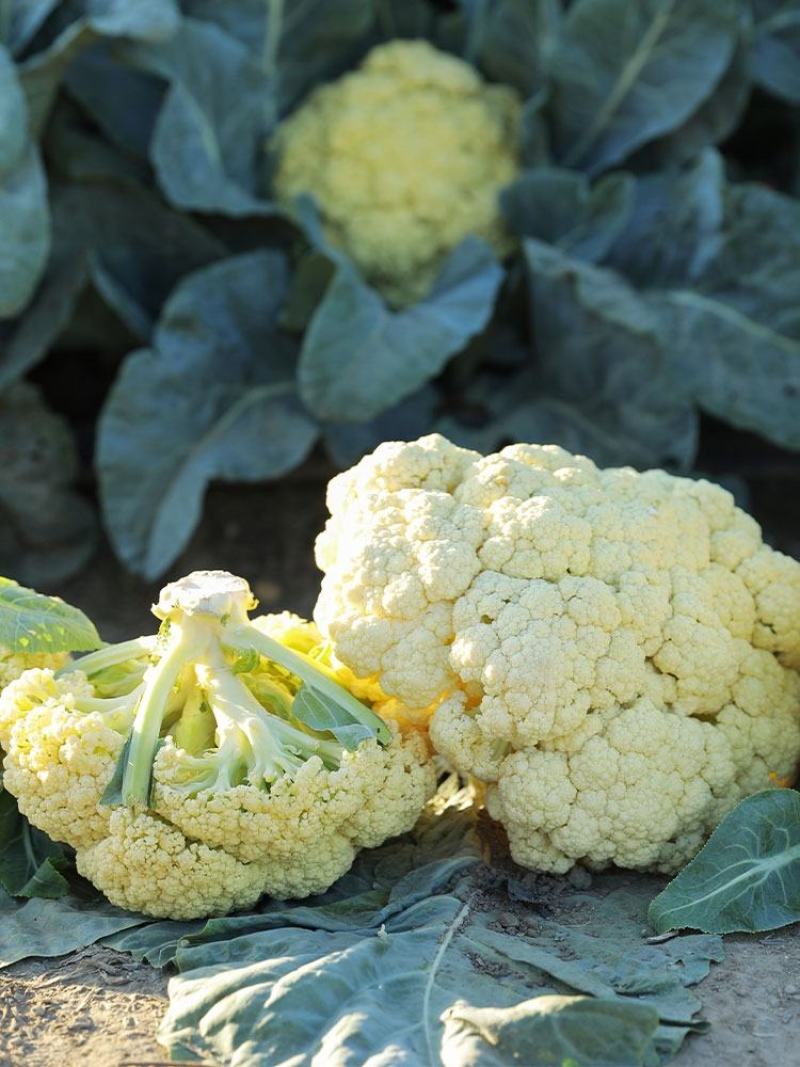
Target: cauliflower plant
<point>615,654</point>
<point>195,771</point>
<point>404,157</point>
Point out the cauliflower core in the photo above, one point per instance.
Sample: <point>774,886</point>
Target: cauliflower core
<point>404,157</point>
<point>615,654</point>
<point>223,760</point>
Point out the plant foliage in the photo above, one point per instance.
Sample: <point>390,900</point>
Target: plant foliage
<point>656,276</point>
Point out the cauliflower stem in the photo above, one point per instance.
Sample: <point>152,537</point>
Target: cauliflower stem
<point>207,638</point>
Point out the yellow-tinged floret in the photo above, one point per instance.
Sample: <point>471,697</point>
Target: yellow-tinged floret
<point>13,664</point>
<point>404,157</point>
<point>611,652</point>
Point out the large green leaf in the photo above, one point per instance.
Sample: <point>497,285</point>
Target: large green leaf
<point>40,927</point>
<point>561,208</point>
<point>209,133</point>
<point>31,622</point>
<point>214,398</point>
<point>519,41</point>
<point>393,961</point>
<point>29,861</point>
<point>776,51</point>
<point>25,229</point>
<point>47,531</point>
<point>747,876</point>
<point>360,358</point>
<point>613,64</point>
<point>600,349</point>
<point>585,1031</point>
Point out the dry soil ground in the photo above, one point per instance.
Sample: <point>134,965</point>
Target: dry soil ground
<point>98,1008</point>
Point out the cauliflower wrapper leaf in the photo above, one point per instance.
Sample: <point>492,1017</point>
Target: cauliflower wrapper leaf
<point>614,653</point>
<point>404,157</point>
<point>221,760</point>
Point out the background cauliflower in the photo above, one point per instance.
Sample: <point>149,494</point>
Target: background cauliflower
<point>614,653</point>
<point>404,157</point>
<point>195,772</point>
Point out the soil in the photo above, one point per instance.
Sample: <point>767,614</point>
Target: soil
<point>99,1007</point>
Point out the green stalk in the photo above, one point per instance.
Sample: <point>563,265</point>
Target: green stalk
<point>143,742</point>
<point>240,638</point>
<point>231,697</point>
<point>111,656</point>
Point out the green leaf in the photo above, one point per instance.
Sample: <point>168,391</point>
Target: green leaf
<point>47,531</point>
<point>600,349</point>
<point>12,114</point>
<point>746,878</point>
<point>519,41</point>
<point>26,17</point>
<point>381,966</point>
<point>29,861</point>
<point>209,132</point>
<point>360,358</point>
<point>215,398</point>
<point>613,62</point>
<point>25,229</point>
<point>319,712</point>
<point>561,208</point>
<point>776,51</point>
<point>585,1031</point>
<point>56,927</point>
<point>31,622</point>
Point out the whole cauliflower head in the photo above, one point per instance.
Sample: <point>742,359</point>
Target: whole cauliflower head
<point>248,767</point>
<point>404,156</point>
<point>613,653</point>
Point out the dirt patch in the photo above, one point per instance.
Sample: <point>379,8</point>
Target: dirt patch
<point>95,1005</point>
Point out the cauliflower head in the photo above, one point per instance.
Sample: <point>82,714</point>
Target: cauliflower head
<point>404,156</point>
<point>13,664</point>
<point>613,653</point>
<point>196,771</point>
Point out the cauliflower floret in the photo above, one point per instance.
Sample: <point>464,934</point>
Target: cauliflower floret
<point>610,651</point>
<point>13,664</point>
<point>405,157</point>
<point>144,864</point>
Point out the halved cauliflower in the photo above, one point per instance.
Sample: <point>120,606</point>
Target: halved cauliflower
<point>614,653</point>
<point>196,771</point>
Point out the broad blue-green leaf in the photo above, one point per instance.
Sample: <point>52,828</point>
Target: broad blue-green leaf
<point>360,358</point>
<point>674,229</point>
<point>55,927</point>
<point>25,230</point>
<point>212,123</point>
<point>776,51</point>
<point>714,120</point>
<point>122,101</point>
<point>585,1031</point>
<point>519,42</point>
<point>26,17</point>
<point>377,979</point>
<point>299,43</point>
<point>625,74</point>
<point>29,860</point>
<point>600,348</point>
<point>13,135</point>
<point>214,398</point>
<point>746,877</point>
<point>47,531</point>
<point>136,247</point>
<point>347,442</point>
<point>42,73</point>
<point>561,208</point>
<point>79,154</point>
